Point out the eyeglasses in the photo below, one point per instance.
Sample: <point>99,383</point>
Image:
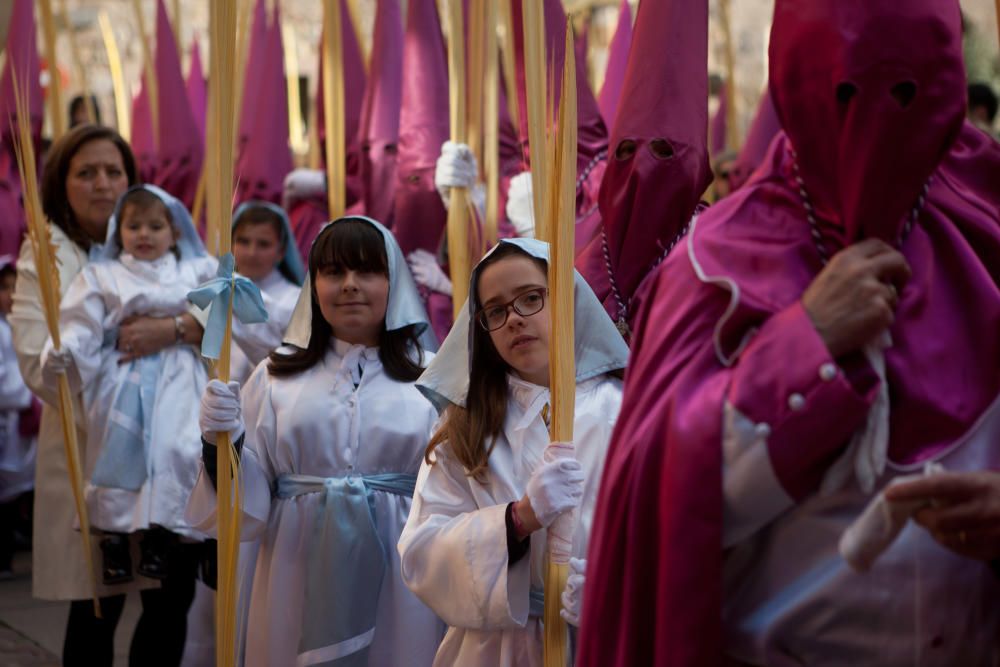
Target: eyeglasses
<point>527,304</point>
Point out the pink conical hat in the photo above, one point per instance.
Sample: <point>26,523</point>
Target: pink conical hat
<point>380,112</point>
<point>252,79</point>
<point>197,90</point>
<point>614,74</point>
<point>419,215</point>
<point>180,148</point>
<point>266,157</point>
<point>22,65</point>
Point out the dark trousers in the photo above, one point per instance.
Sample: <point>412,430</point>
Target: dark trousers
<point>162,628</point>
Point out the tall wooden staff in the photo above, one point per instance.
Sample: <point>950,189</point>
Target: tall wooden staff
<point>561,197</point>
<point>535,67</point>
<point>117,77</point>
<point>491,123</point>
<point>333,108</point>
<point>219,195</point>
<point>48,283</point>
<point>458,209</point>
<point>56,110</point>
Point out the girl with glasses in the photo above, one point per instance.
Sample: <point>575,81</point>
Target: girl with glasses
<point>474,545</point>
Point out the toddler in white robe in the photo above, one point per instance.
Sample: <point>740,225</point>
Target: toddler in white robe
<point>467,550</point>
<point>143,444</point>
<point>334,434</point>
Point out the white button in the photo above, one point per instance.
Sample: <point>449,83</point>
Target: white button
<point>796,402</point>
<point>762,430</point>
<point>827,372</point>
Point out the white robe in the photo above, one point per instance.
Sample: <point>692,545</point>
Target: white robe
<point>17,452</point>
<point>256,341</point>
<point>101,296</point>
<point>316,423</point>
<point>454,546</point>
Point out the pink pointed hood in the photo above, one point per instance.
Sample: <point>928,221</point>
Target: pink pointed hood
<point>614,74</point>
<point>764,128</point>
<point>180,148</point>
<point>254,75</point>
<point>380,112</point>
<point>22,65</point>
<point>419,215</point>
<point>717,130</point>
<point>266,157</point>
<point>197,90</point>
<point>142,141</point>
<point>658,161</point>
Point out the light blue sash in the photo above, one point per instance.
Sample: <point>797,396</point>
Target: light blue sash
<point>123,462</point>
<point>345,567</point>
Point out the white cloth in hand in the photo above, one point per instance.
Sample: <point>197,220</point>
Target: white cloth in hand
<point>880,524</point>
<point>456,168</point>
<point>427,272</point>
<point>520,205</point>
<point>301,184</point>
<point>555,487</point>
<point>220,410</point>
<point>572,595</point>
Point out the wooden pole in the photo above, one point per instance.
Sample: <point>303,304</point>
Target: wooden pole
<point>562,361</point>
<point>535,66</point>
<point>122,99</point>
<point>505,27</point>
<point>458,209</point>
<point>491,125</point>
<point>57,112</point>
<point>296,131</point>
<point>333,108</point>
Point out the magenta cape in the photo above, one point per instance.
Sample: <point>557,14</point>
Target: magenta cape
<point>654,593</point>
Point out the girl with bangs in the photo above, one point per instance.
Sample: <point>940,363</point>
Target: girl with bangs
<point>474,546</point>
<point>331,432</point>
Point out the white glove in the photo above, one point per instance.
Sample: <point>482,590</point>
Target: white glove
<point>220,410</point>
<point>520,205</point>
<point>880,524</point>
<point>554,488</point>
<point>456,168</point>
<point>56,362</point>
<point>427,272</point>
<point>572,595</point>
<point>303,183</point>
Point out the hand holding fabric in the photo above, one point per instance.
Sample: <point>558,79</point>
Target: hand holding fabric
<point>220,411</point>
<point>301,184</point>
<point>572,595</point>
<point>427,272</point>
<point>520,204</point>
<point>456,168</point>
<point>554,488</point>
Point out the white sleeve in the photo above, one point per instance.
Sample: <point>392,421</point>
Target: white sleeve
<point>454,554</point>
<point>751,493</point>
<point>257,476</point>
<point>82,315</point>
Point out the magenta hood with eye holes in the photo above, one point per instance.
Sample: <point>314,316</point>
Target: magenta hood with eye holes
<point>871,94</point>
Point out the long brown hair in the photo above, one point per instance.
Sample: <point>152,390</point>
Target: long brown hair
<point>465,431</point>
<point>55,203</point>
<point>356,245</point>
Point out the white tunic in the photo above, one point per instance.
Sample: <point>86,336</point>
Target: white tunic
<point>316,423</point>
<point>454,546</point>
<point>256,341</point>
<point>17,452</point>
<point>101,296</point>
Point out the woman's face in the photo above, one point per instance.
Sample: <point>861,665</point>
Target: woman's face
<point>257,249</point>
<point>522,341</point>
<point>95,181</point>
<point>353,303</point>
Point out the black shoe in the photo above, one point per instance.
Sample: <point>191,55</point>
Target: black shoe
<point>116,562</point>
<point>155,547</point>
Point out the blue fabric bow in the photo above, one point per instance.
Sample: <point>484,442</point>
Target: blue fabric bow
<point>248,306</point>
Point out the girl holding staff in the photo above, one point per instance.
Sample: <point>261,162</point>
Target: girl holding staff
<point>473,549</point>
<point>334,431</point>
